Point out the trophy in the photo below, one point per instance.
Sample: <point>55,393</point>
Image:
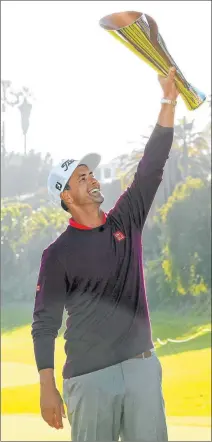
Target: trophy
<point>139,33</point>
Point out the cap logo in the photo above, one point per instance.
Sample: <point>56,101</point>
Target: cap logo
<point>58,186</point>
<point>66,164</point>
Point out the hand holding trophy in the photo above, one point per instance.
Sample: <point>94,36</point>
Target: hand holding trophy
<point>139,33</point>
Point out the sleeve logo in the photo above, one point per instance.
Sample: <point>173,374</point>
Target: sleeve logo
<point>119,236</point>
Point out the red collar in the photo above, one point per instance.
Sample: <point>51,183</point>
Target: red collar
<point>73,223</point>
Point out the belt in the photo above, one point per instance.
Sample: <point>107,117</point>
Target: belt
<point>145,355</point>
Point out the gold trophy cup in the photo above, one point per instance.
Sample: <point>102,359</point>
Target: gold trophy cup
<point>139,33</point>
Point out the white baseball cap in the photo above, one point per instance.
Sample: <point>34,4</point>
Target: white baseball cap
<point>61,173</point>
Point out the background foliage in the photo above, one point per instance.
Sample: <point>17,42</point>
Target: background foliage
<point>176,238</point>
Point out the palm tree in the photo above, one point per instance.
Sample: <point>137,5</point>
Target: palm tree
<point>25,108</point>
<point>22,99</point>
<point>8,98</point>
<point>193,149</point>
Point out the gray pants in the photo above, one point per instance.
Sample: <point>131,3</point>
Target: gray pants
<point>124,400</point>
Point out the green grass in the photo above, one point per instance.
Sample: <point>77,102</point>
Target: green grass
<point>15,315</point>
<point>186,366</point>
<point>180,327</point>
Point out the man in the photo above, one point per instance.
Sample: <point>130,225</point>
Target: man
<point>112,376</point>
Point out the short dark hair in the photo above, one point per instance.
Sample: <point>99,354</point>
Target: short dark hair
<point>63,205</point>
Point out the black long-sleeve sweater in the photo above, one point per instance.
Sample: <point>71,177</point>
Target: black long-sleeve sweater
<point>97,276</point>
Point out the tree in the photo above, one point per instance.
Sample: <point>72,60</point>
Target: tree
<point>186,233</point>
<point>16,98</point>
<point>193,150</point>
<point>9,97</point>
<point>25,174</point>
<point>12,227</point>
<point>25,234</point>
<point>25,108</point>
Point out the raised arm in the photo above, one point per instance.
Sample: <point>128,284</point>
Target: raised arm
<point>47,319</point>
<point>135,203</point>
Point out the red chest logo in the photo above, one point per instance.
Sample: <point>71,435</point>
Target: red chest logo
<point>119,236</point>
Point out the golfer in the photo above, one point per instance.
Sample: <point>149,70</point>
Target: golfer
<point>112,376</point>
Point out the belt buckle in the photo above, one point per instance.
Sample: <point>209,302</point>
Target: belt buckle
<point>147,354</point>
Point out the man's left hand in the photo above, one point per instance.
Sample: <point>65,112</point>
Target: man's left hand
<point>168,85</point>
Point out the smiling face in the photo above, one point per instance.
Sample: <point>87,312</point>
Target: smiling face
<point>83,190</point>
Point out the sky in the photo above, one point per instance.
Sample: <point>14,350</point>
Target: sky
<point>91,94</point>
